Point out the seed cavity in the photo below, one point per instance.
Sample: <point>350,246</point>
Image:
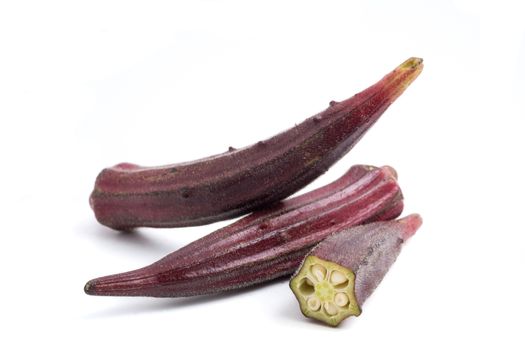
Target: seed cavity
<point>338,279</point>
<point>306,287</point>
<point>314,303</point>
<point>319,272</point>
<point>330,308</point>
<point>341,299</point>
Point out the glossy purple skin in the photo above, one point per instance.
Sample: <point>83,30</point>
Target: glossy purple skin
<point>368,250</point>
<point>239,181</point>
<point>265,245</point>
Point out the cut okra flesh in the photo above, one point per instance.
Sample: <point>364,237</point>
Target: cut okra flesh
<point>325,291</point>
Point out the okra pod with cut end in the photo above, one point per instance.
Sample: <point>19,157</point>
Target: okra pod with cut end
<point>266,244</point>
<point>239,181</point>
<point>341,272</point>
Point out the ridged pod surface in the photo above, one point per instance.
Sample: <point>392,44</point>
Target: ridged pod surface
<point>239,181</point>
<point>340,273</point>
<point>264,245</point>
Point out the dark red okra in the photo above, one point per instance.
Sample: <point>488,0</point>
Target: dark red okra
<point>264,245</point>
<point>239,181</point>
<point>342,271</point>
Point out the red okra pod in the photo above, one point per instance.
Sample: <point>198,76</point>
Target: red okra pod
<point>239,181</point>
<point>266,244</point>
<point>342,271</point>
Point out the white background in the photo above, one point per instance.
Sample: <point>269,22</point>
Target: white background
<point>85,85</point>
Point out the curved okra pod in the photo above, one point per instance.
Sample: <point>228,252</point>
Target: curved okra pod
<point>340,273</point>
<point>239,181</point>
<point>264,245</point>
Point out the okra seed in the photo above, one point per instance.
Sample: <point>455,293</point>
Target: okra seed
<point>330,308</point>
<point>319,272</point>
<point>314,303</point>
<point>341,299</point>
<point>337,278</point>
